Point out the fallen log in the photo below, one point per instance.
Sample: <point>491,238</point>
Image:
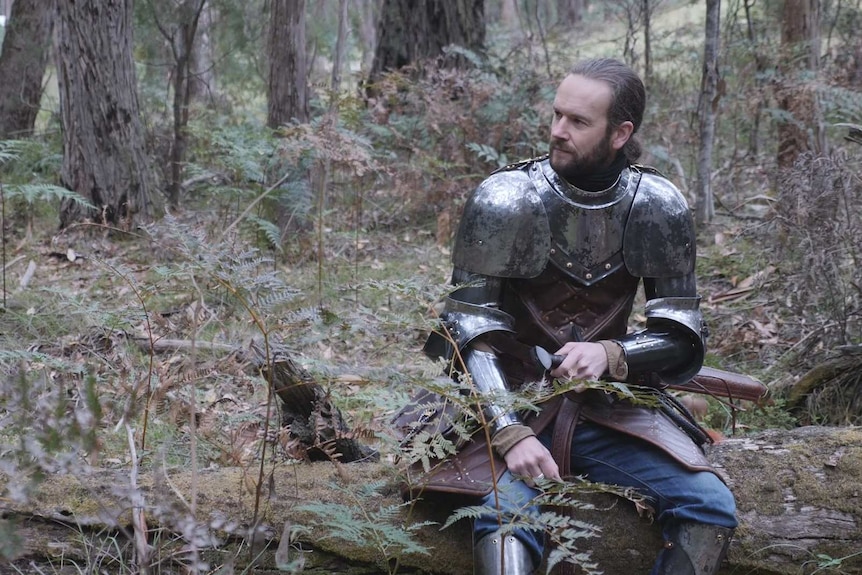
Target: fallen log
<point>799,495</point>
<point>317,428</point>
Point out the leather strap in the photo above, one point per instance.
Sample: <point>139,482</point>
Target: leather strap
<point>561,450</point>
<point>564,429</point>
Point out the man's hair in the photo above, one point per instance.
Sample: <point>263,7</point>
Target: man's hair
<point>628,97</point>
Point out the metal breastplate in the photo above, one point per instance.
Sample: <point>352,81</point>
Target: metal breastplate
<point>587,228</point>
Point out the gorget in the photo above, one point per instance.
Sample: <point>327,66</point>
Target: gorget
<point>587,228</point>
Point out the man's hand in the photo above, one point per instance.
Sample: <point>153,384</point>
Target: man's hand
<point>584,360</point>
<point>529,458</point>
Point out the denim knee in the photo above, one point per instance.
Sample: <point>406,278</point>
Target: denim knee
<point>512,501</point>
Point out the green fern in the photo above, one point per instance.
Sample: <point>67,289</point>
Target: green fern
<point>10,150</point>
<point>32,193</point>
<point>360,523</point>
<point>269,230</point>
<point>488,154</point>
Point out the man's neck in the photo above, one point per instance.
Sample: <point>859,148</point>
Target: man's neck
<point>604,179</point>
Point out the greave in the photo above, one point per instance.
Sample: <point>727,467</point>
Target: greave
<point>693,549</point>
<point>496,554</point>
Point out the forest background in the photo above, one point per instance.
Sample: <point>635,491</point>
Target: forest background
<point>193,188</point>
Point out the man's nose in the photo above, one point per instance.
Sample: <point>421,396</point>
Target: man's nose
<point>558,130</point>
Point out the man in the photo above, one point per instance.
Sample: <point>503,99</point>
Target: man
<point>550,253</point>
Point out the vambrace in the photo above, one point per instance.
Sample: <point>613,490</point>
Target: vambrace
<point>489,380</point>
<point>468,313</point>
<point>672,345</point>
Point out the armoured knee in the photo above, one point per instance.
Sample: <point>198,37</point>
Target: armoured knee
<point>501,554</point>
<point>693,549</point>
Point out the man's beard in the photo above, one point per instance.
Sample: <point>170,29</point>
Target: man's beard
<point>574,166</point>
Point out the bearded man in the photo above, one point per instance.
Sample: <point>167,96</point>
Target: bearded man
<point>550,252</point>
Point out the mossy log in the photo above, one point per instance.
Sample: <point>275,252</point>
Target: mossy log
<point>799,495</point>
<point>316,426</point>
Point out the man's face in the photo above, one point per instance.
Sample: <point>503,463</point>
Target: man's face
<point>582,142</point>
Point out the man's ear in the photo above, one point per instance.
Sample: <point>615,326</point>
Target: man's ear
<point>621,134</point>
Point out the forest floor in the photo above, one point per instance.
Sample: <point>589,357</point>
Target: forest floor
<point>155,318</point>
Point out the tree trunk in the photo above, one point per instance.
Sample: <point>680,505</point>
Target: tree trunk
<point>202,79</point>
<point>569,12</point>
<point>707,109</point>
<point>412,30</point>
<point>760,63</point>
<point>182,42</point>
<point>288,77</point>
<point>647,17</point>
<point>509,16</point>
<point>340,46</point>
<point>22,65</point>
<point>800,51</point>
<point>797,493</point>
<point>368,15</point>
<point>104,155</point>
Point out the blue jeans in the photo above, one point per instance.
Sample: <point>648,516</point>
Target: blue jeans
<point>607,456</point>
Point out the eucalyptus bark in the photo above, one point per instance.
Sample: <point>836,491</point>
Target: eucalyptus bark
<point>646,16</point>
<point>412,30</point>
<point>288,74</point>
<point>570,12</point>
<point>26,45</point>
<point>799,131</point>
<point>181,37</point>
<point>509,15</point>
<point>340,46</point>
<point>368,14</point>
<point>707,109</point>
<point>104,156</point>
<point>202,78</point>
<point>761,66</point>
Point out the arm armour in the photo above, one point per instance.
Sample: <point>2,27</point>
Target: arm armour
<point>659,246</point>
<point>469,312</point>
<point>672,345</point>
<point>504,233</point>
<point>504,230</point>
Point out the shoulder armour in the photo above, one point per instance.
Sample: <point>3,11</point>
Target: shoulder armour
<point>659,239</point>
<point>504,229</point>
<point>520,164</point>
<point>647,170</point>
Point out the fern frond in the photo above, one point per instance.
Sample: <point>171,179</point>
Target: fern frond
<point>269,230</point>
<point>10,150</point>
<point>364,523</point>
<point>32,193</point>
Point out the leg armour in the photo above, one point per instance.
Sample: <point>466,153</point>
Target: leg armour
<point>496,554</point>
<point>693,549</point>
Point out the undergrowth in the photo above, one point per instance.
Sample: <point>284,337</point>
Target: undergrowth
<point>328,242</point>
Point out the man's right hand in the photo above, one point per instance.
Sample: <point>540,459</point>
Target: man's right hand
<point>529,458</point>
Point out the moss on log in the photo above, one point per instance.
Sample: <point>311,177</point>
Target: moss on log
<point>799,495</point>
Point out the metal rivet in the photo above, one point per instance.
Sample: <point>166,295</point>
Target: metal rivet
<point>569,265</point>
<point>589,276</point>
<point>553,251</point>
<point>607,266</point>
<point>481,242</point>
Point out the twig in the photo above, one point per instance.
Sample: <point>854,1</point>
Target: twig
<point>253,203</point>
<point>139,522</point>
